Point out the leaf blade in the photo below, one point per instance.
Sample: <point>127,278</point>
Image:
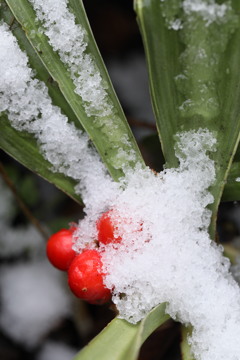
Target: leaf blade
<point>121,340</point>
<point>23,147</point>
<point>168,56</point>
<point>107,136</point>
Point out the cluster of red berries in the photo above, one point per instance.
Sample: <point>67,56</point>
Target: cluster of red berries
<point>85,276</point>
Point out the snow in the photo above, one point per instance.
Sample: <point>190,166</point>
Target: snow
<point>206,29</point>
<point>166,254</point>
<point>209,10</point>
<point>71,42</point>
<point>33,301</point>
<point>175,24</point>
<point>29,108</point>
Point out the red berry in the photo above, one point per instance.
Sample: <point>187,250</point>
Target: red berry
<point>106,227</point>
<point>59,249</point>
<point>85,278</point>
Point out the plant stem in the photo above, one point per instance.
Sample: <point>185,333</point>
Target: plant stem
<point>21,203</point>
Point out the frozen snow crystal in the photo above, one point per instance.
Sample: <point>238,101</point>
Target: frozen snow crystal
<point>32,300</point>
<point>70,40</point>
<point>29,108</point>
<point>166,254</point>
<point>208,9</point>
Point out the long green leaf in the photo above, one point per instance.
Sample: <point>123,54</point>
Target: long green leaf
<point>175,75</point>
<point>40,71</point>
<point>162,50</point>
<point>185,347</point>
<point>108,134</point>
<point>121,340</point>
<point>23,147</point>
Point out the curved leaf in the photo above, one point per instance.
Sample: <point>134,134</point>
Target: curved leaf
<point>107,133</point>
<point>40,71</point>
<point>186,353</point>
<point>189,91</point>
<point>23,147</point>
<point>162,50</point>
<point>121,340</point>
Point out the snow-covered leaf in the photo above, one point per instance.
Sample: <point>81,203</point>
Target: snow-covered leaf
<point>100,112</point>
<point>193,61</point>
<point>24,148</point>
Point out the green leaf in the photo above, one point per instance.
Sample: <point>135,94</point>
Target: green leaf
<point>108,134</point>
<point>232,188</point>
<point>35,62</point>
<point>162,50</point>
<point>23,147</point>
<point>190,92</point>
<point>185,347</point>
<point>232,253</point>
<point>121,340</point>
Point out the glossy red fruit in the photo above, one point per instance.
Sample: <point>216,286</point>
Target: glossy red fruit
<point>85,278</point>
<point>59,249</point>
<point>108,224</point>
<point>106,227</point>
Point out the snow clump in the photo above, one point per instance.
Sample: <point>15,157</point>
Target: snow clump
<point>70,40</point>
<point>166,254</point>
<point>209,10</point>
<point>29,108</point>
